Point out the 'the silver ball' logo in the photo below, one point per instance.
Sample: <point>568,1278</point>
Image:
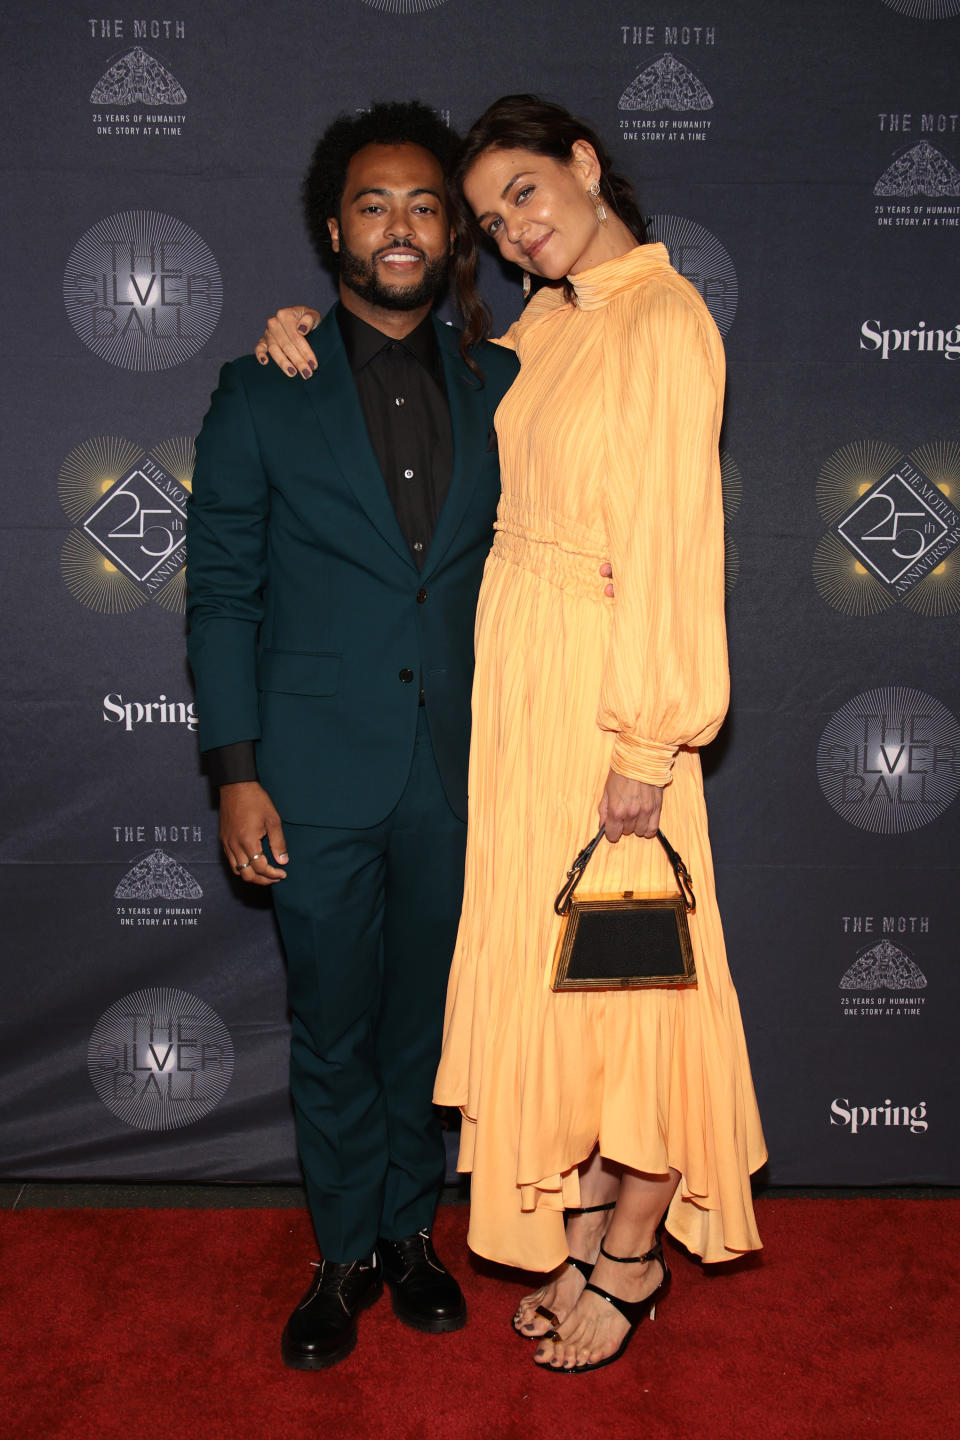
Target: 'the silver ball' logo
<point>160,1059</point>
<point>143,290</point>
<point>926,9</point>
<point>889,760</point>
<point>703,260</point>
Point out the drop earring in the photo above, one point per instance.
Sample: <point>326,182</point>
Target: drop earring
<point>594,193</point>
<point>527,284</point>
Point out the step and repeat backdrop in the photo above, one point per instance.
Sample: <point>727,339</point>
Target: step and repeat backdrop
<point>802,163</point>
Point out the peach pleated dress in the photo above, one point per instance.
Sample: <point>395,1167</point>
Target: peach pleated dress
<point>609,451</point>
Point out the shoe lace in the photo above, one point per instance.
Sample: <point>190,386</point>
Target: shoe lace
<point>426,1245</point>
<point>332,1279</point>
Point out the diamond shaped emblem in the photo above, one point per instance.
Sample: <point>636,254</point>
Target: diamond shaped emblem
<point>140,523</point>
<point>902,528</point>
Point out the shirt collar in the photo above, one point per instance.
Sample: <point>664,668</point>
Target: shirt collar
<point>362,342</point>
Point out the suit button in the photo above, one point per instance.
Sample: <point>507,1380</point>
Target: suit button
<point>421,596</point>
<point>406,676</point>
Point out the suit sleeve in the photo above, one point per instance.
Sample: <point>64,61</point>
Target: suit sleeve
<point>546,300</point>
<point>226,566</point>
<point>508,340</point>
<point>666,678</point>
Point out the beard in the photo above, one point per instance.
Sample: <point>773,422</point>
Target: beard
<point>360,275</point>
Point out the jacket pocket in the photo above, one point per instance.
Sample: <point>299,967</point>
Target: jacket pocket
<point>298,672</point>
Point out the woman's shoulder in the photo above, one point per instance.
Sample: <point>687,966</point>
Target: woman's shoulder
<point>665,289</point>
<point>670,305</point>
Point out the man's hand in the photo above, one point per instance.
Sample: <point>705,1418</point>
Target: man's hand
<point>247,814</point>
<point>283,340</point>
<point>629,807</point>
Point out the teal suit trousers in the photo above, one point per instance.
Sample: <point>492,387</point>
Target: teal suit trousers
<point>369,919</point>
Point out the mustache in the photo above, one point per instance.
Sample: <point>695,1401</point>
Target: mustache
<point>399,245</point>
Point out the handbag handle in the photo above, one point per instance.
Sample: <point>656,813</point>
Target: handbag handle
<point>562,903</point>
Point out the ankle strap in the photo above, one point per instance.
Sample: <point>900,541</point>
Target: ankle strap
<point>588,1209</point>
<point>656,1253</point>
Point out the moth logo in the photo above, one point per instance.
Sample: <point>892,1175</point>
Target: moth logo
<point>160,1059</point>
<point>894,530</point>
<point>731,483</point>
<point>138,79</point>
<point>142,290</point>
<point>404,7</point>
<point>666,85</point>
<point>883,966</point>
<point>158,893</point>
<point>702,259</point>
<point>158,877</point>
<point>922,171</point>
<point>889,760</point>
<point>925,9</point>
<point>128,508</point>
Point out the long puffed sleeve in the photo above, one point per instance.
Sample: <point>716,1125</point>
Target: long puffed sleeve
<point>666,681</point>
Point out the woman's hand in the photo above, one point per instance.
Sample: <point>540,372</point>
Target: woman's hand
<point>629,807</point>
<point>283,340</point>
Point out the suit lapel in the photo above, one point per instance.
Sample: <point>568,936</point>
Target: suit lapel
<point>466,420</point>
<point>332,396</point>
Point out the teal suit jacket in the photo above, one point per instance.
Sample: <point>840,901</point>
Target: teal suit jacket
<point>310,625</point>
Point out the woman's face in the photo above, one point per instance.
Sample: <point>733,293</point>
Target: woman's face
<point>537,209</point>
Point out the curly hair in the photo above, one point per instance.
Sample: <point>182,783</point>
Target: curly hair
<point>395,122</point>
<point>524,122</point>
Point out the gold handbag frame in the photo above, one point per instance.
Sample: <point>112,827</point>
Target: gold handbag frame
<point>624,941</point>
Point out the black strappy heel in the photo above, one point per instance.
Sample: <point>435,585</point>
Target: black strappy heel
<point>633,1311</point>
<point>584,1266</point>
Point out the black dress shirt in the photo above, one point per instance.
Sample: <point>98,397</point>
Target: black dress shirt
<point>403,397</point>
<point>404,401</point>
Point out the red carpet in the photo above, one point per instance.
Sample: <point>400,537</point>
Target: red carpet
<point>138,1324</point>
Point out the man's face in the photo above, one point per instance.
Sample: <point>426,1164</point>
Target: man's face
<point>393,236</point>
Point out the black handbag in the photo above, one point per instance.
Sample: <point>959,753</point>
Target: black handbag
<point>624,941</point>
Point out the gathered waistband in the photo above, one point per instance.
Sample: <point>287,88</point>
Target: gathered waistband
<point>569,570</point>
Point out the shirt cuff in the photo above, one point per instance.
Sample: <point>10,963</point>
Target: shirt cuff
<point>645,760</point>
<point>232,764</point>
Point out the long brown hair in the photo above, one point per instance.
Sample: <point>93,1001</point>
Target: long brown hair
<point>523,122</point>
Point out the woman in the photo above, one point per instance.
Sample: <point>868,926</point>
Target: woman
<point>587,1115</point>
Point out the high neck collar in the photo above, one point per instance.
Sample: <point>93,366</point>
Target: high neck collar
<point>594,288</point>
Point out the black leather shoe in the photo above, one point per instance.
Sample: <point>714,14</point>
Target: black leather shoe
<point>423,1292</point>
<point>323,1328</point>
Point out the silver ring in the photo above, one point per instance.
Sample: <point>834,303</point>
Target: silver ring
<point>258,856</point>
<point>245,866</point>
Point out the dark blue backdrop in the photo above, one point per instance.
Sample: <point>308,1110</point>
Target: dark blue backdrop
<point>803,164</point>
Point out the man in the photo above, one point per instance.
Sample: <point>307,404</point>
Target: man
<point>337,532</point>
